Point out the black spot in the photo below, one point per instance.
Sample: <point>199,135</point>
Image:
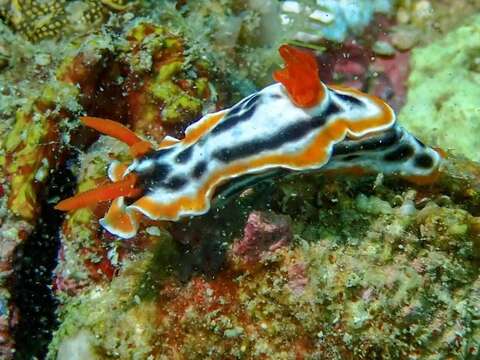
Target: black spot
<point>201,142</point>
<point>380,142</point>
<point>424,161</point>
<point>241,112</point>
<point>332,109</point>
<point>175,183</point>
<point>275,96</point>
<point>420,143</point>
<point>349,99</point>
<point>402,152</point>
<point>154,175</point>
<point>156,155</point>
<point>199,169</point>
<point>184,155</point>
<point>222,154</point>
<point>350,157</point>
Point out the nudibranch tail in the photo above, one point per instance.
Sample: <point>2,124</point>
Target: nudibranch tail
<point>300,76</point>
<point>120,132</point>
<point>125,187</point>
<point>393,151</point>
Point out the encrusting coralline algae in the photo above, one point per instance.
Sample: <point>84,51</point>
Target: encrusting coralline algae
<point>432,107</point>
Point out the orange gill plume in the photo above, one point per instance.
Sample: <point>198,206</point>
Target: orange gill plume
<point>300,76</point>
<point>124,187</point>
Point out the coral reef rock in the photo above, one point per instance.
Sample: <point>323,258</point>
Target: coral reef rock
<point>376,268</point>
<point>331,19</point>
<point>447,116</point>
<point>40,19</point>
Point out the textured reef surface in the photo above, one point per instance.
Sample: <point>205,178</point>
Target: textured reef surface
<point>322,267</point>
<point>431,108</point>
<point>317,266</point>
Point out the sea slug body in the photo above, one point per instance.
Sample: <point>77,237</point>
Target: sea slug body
<point>297,123</point>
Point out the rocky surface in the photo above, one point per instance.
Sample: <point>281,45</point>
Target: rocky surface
<point>368,257</point>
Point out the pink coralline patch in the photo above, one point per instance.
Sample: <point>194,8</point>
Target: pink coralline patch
<point>263,232</point>
<point>95,267</point>
<point>63,282</point>
<point>367,294</point>
<point>347,65</point>
<point>391,85</point>
<point>356,65</point>
<point>68,285</point>
<point>419,265</point>
<point>297,278</point>
<point>8,320</point>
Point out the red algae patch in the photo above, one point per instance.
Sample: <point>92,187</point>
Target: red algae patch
<point>263,232</point>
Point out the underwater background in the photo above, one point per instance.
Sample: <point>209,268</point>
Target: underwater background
<point>319,265</point>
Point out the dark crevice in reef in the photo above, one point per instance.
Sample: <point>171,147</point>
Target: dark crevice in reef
<point>203,240</point>
<point>34,263</point>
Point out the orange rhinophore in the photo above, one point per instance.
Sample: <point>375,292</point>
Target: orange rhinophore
<point>300,76</point>
<point>125,187</point>
<point>120,132</point>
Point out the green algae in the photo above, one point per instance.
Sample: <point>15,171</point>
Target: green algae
<point>29,147</point>
<point>114,324</point>
<point>165,263</point>
<point>444,87</point>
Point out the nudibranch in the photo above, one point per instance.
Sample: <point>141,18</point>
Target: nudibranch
<point>297,124</point>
